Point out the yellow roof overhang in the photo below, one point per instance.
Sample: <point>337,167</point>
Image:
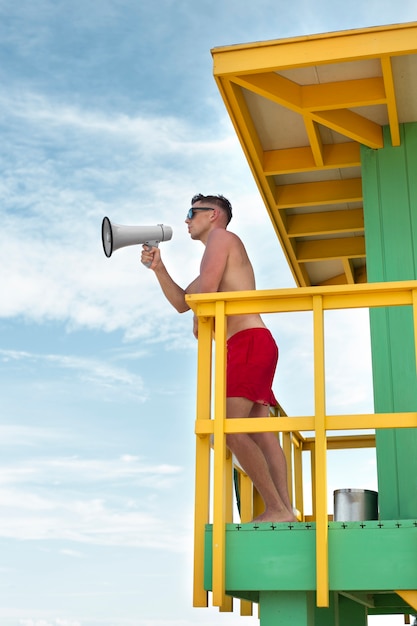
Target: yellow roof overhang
<point>301,108</point>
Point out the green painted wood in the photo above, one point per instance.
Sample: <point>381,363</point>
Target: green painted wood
<point>351,612</point>
<point>286,608</point>
<point>363,557</point>
<point>328,616</point>
<point>389,604</point>
<point>389,179</point>
<point>373,558</point>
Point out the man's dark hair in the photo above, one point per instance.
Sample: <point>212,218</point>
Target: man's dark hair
<point>218,200</point>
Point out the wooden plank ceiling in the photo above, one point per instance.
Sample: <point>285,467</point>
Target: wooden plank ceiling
<point>301,108</point>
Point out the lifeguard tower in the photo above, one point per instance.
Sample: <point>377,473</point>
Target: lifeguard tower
<point>328,124</point>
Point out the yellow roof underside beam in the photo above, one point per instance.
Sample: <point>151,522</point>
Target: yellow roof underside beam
<point>325,249</point>
<point>327,104</point>
<point>296,160</point>
<point>321,192</point>
<point>303,108</point>
<point>391,100</point>
<point>339,47</point>
<point>325,223</point>
<point>301,98</point>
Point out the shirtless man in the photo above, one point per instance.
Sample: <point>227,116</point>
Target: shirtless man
<point>252,354</point>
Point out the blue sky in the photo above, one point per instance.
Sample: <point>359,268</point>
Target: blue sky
<point>109,107</point>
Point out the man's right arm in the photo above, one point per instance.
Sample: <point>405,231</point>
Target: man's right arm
<point>173,292</point>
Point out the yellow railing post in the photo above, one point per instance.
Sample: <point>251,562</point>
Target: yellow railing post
<point>286,448</point>
<point>227,604</point>
<point>246,515</point>
<point>219,494</point>
<point>298,476</point>
<point>202,459</point>
<point>318,299</point>
<point>322,568</point>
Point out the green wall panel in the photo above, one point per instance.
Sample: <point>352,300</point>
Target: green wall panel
<point>362,557</point>
<point>286,608</point>
<point>389,179</point>
<point>351,612</point>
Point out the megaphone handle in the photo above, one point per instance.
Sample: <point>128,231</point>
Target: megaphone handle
<point>149,245</point>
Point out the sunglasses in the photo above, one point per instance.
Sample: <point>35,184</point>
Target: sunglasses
<point>191,212</point>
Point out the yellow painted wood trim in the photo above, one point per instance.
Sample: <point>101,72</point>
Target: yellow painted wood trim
<point>409,596</point>
<point>320,192</point>
<point>310,50</point>
<point>344,442</point>
<point>328,104</point>
<point>316,143</point>
<point>298,481</point>
<point>268,424</point>
<point>348,270</point>
<point>246,132</point>
<point>201,518</point>
<point>306,423</point>
<point>392,293</point>
<point>287,449</point>
<point>219,495</point>
<point>246,608</point>
<point>343,94</point>
<point>323,249</point>
<point>391,100</point>
<point>274,87</point>
<point>227,602</point>
<point>329,222</point>
<point>352,125</point>
<point>297,160</point>
<point>322,566</point>
<point>202,460</point>
<point>246,498</point>
<point>372,421</point>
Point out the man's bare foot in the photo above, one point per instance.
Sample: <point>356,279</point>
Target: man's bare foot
<point>275,516</point>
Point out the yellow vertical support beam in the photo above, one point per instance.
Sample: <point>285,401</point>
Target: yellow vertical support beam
<point>246,498</point>
<point>227,604</point>
<point>202,469</point>
<point>246,515</point>
<point>322,566</point>
<point>409,596</point>
<point>286,447</point>
<point>298,477</point>
<point>219,477</point>
<point>229,487</point>
<point>313,480</point>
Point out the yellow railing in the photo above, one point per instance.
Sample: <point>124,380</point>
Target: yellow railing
<point>212,311</point>
<point>294,444</point>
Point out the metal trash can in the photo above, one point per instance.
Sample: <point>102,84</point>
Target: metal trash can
<point>355,505</point>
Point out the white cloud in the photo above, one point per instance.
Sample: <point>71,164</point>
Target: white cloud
<point>55,622</point>
<point>47,499</point>
<point>54,266</point>
<point>84,135</point>
<point>61,470</point>
<point>90,370</point>
<point>16,434</point>
<point>89,522</point>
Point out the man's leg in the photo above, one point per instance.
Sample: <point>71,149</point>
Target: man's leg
<point>274,456</point>
<point>254,462</point>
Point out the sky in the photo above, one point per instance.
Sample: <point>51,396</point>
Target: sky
<point>109,108</point>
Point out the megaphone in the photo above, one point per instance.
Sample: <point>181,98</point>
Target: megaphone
<point>115,236</point>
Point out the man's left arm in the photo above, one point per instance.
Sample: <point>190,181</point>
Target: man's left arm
<point>214,261</point>
<point>212,268</point>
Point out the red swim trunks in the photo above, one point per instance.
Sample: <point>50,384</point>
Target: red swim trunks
<point>252,357</point>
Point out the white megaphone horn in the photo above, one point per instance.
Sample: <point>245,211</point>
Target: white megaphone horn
<point>115,236</point>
